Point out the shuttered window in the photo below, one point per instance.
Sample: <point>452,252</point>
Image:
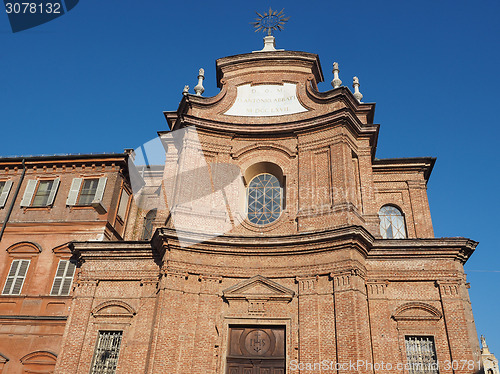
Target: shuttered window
<point>106,352</point>
<point>421,355</point>
<point>63,278</point>
<point>40,193</point>
<point>16,277</point>
<point>86,191</point>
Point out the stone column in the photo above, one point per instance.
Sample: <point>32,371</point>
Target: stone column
<point>342,174</point>
<point>206,337</point>
<point>309,342</point>
<point>144,325</point>
<point>384,336</point>
<point>456,324</point>
<point>352,323</point>
<point>370,207</point>
<point>420,209</point>
<point>73,339</point>
<point>170,307</point>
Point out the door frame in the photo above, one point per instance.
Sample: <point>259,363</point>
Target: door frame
<point>255,321</point>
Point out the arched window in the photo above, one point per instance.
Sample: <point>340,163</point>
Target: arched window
<point>392,223</point>
<point>264,199</point>
<point>147,231</point>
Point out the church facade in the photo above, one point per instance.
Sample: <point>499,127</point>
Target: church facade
<point>269,240</point>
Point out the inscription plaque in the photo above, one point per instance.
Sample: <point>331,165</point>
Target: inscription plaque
<point>266,100</point>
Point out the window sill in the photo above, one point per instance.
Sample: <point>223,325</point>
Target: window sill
<point>39,208</point>
<point>80,207</point>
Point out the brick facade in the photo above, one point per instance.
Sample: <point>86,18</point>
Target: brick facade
<point>320,283</point>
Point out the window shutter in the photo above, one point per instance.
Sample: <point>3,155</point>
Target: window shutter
<point>11,277</point>
<point>73,192</point>
<point>53,191</point>
<point>5,193</point>
<point>16,276</point>
<point>21,274</point>
<point>61,268</point>
<point>28,193</point>
<point>99,193</point>
<point>63,278</point>
<point>68,279</point>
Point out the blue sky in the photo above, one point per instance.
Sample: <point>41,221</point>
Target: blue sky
<point>98,78</point>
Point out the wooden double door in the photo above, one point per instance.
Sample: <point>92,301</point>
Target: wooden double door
<point>256,350</point>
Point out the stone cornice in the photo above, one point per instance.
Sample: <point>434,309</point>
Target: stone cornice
<point>63,159</point>
<point>229,64</point>
<point>352,237</point>
<point>343,116</point>
<point>122,250</point>
<point>345,95</point>
<point>459,249</point>
<point>407,164</point>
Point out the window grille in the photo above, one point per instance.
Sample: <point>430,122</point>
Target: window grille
<point>16,277</point>
<point>106,352</point>
<point>63,279</point>
<point>421,355</point>
<point>392,223</point>
<point>264,199</point>
<point>148,224</point>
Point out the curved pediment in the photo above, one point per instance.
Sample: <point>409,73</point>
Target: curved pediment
<point>40,358</point>
<point>113,308</point>
<point>415,311</point>
<point>3,359</point>
<point>25,247</point>
<point>269,89</point>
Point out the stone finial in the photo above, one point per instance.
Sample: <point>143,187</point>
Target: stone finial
<point>336,82</point>
<point>185,91</point>
<point>484,347</point>
<point>269,45</point>
<point>483,342</point>
<point>199,89</point>
<point>355,85</point>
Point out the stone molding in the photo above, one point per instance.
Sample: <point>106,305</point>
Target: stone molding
<point>121,309</point>
<point>412,311</point>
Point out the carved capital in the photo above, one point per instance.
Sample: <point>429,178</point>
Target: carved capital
<point>209,283</point>
<point>173,280</point>
<point>307,285</point>
<point>85,287</point>
<point>418,184</point>
<point>349,279</point>
<point>448,289</point>
<point>377,289</point>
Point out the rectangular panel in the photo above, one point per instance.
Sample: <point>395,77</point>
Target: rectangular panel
<point>322,187</point>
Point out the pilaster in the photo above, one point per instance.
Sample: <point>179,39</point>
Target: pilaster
<point>456,322</point>
<point>352,321</point>
<point>76,327</point>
